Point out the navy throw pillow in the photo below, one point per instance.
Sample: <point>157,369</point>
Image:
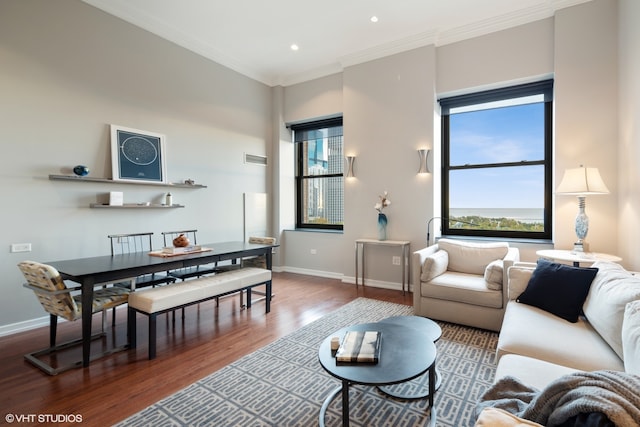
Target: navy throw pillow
<point>558,288</point>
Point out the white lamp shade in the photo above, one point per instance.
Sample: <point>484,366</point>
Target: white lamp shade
<point>582,181</point>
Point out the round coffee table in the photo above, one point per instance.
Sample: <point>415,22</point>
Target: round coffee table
<point>405,353</point>
<point>433,331</point>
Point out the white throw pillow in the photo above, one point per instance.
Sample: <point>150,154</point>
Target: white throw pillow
<point>631,338</point>
<point>434,265</point>
<point>471,257</point>
<point>611,290</point>
<point>493,275</point>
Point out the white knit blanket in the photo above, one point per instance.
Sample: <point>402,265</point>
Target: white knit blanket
<point>615,394</point>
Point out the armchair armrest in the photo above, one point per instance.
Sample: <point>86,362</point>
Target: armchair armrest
<point>512,257</point>
<point>518,278</point>
<point>417,259</point>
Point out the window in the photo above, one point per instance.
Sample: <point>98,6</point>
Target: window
<point>319,174</point>
<point>496,163</point>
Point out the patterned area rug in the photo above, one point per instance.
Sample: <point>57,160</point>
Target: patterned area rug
<point>283,384</point>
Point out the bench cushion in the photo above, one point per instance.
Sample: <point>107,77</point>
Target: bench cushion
<point>181,293</point>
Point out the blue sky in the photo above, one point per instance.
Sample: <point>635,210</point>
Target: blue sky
<point>509,134</point>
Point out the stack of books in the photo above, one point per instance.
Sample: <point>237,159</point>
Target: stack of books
<point>183,250</point>
<point>359,347</point>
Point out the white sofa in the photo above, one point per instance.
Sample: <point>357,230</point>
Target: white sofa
<point>538,347</point>
<point>462,282</point>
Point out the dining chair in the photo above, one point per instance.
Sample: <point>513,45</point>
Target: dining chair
<point>137,242</point>
<point>57,300</point>
<point>187,272</point>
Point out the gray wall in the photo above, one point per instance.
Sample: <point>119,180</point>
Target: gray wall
<point>389,112</point>
<point>68,70</point>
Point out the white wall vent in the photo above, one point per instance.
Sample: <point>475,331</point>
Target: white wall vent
<point>255,159</point>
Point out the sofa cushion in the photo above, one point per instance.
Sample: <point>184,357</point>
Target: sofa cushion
<point>493,274</point>
<point>461,287</point>
<point>471,257</point>
<point>631,338</point>
<point>535,373</point>
<point>530,331</point>
<point>434,265</point>
<point>610,292</point>
<point>559,289</point>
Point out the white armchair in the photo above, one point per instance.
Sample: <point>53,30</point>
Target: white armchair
<point>463,282</point>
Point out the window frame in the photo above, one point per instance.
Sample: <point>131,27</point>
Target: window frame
<point>544,88</point>
<point>300,180</point>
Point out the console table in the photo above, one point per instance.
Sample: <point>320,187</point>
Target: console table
<point>576,257</point>
<point>404,258</point>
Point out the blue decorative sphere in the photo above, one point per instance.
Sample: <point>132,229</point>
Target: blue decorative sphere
<point>81,170</point>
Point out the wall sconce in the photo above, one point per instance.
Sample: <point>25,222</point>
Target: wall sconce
<point>582,182</point>
<point>423,154</point>
<point>350,170</point>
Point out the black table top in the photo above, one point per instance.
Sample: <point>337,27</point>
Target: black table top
<point>405,353</point>
<point>112,267</point>
<point>428,326</point>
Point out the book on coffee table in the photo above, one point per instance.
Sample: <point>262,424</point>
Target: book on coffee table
<point>359,347</point>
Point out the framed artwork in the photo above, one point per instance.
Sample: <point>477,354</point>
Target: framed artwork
<point>137,155</point>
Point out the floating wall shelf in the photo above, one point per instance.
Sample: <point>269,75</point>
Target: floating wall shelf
<point>111,181</point>
<point>133,206</point>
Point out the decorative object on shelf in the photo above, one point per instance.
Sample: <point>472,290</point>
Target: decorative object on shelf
<point>181,241</point>
<point>189,181</point>
<point>423,154</point>
<point>116,198</point>
<point>582,182</point>
<point>382,218</point>
<point>137,155</point>
<point>169,200</point>
<point>81,170</point>
<point>350,171</point>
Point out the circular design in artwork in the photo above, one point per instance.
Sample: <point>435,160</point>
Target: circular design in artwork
<point>139,151</point>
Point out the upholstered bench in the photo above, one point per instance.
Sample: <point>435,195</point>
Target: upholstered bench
<point>159,300</point>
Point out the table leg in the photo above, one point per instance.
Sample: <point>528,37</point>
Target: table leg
<point>404,261</point>
<point>87,303</point>
<point>344,388</point>
<point>356,252</point>
<point>345,403</point>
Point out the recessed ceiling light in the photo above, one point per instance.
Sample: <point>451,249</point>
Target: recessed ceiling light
<point>374,19</point>
<point>294,47</point>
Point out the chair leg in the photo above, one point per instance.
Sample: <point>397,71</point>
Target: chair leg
<point>104,321</point>
<point>53,328</point>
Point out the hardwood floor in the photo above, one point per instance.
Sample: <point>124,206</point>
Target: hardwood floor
<point>117,386</point>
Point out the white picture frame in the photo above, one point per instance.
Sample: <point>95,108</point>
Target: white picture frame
<point>138,155</point>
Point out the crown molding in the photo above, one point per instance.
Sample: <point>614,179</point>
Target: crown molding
<point>438,37</point>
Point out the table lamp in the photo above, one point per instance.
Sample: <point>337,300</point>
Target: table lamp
<point>582,182</point>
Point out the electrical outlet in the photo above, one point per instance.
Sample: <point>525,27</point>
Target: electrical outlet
<point>21,247</point>
<point>313,251</point>
<point>395,260</point>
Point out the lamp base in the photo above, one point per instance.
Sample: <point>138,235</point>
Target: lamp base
<point>581,247</point>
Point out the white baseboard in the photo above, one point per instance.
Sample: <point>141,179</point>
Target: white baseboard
<point>27,325</point>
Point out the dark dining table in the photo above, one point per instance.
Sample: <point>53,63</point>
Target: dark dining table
<point>92,271</point>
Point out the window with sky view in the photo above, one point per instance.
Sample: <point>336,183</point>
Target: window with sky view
<point>496,168</point>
